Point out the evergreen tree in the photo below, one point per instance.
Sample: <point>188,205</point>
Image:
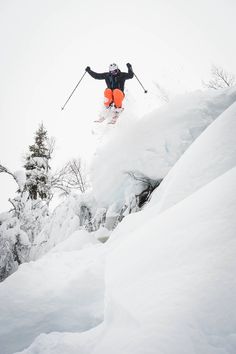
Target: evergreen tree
<point>19,226</point>
<point>37,167</point>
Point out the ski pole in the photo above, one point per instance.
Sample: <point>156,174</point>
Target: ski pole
<point>73,91</point>
<point>145,91</point>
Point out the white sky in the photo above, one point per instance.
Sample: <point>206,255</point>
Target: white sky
<point>46,45</point>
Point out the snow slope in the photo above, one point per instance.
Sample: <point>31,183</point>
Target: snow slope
<point>166,275</point>
<point>149,146</point>
<point>212,154</point>
<point>63,291</point>
<point>170,286</point>
<point>153,144</point>
<point>209,156</point>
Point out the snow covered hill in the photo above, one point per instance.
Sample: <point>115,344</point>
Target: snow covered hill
<point>164,282</point>
<point>62,291</point>
<point>152,145</point>
<point>146,148</point>
<point>170,285</point>
<point>212,154</point>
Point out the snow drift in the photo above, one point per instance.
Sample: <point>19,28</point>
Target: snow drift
<point>175,291</point>
<point>166,275</point>
<point>64,290</point>
<point>212,154</point>
<point>152,145</point>
<point>170,286</point>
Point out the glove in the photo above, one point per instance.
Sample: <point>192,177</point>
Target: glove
<point>88,69</point>
<point>129,66</point>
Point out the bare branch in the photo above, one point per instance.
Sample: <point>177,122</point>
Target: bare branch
<point>51,142</point>
<point>11,201</point>
<point>144,179</point>
<point>72,176</point>
<point>3,169</point>
<point>149,185</point>
<point>220,79</point>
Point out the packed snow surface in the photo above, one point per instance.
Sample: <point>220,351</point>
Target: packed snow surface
<point>164,282</point>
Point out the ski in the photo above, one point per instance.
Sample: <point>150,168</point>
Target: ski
<point>113,119</point>
<point>115,116</point>
<point>100,120</point>
<point>111,114</point>
<point>103,115</point>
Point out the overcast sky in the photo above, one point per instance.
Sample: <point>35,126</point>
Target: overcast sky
<point>46,45</point>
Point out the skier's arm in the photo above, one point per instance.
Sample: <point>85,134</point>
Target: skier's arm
<point>98,76</point>
<point>130,73</point>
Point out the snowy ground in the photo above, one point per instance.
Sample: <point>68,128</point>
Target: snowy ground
<point>63,291</point>
<point>164,282</point>
<point>175,291</point>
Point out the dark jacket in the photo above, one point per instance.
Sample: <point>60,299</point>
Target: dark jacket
<point>113,81</point>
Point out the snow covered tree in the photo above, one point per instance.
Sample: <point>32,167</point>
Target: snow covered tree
<point>19,226</point>
<point>37,167</point>
<point>18,229</point>
<point>14,242</point>
<point>220,78</point>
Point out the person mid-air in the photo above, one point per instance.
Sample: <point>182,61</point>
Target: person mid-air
<point>115,81</point>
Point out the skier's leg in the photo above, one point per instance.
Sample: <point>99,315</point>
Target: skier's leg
<point>118,98</point>
<point>108,97</point>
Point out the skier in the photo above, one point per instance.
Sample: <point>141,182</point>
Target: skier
<point>115,81</point>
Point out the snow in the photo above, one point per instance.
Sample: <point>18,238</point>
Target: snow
<point>39,162</point>
<point>177,289</point>
<point>76,241</point>
<point>4,217</point>
<point>62,291</point>
<point>102,234</point>
<point>164,281</point>
<point>212,154</point>
<point>151,146</point>
<point>73,343</point>
<point>64,221</point>
<point>20,179</point>
<point>24,239</point>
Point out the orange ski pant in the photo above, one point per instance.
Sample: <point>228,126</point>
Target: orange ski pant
<point>115,96</point>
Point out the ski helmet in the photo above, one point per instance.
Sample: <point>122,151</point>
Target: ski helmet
<point>113,68</point>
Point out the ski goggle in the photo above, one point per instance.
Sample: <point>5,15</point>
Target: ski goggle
<point>114,72</point>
